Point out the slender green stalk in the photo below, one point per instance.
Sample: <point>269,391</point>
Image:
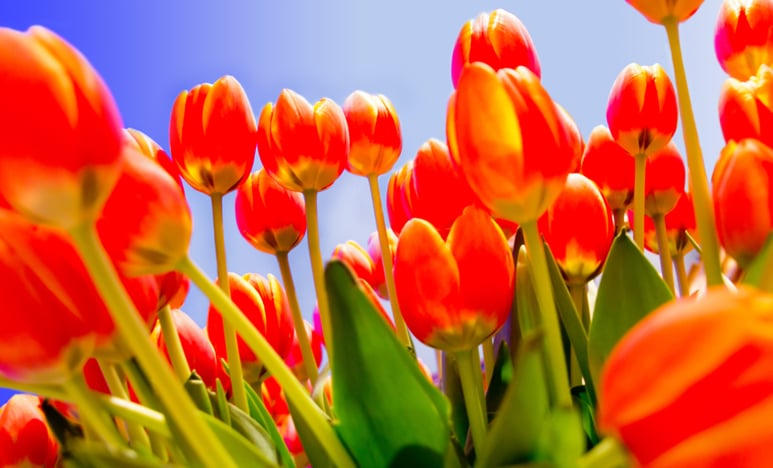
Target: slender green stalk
<point>681,275</point>
<point>54,392</point>
<point>489,359</point>
<point>309,363</point>
<point>137,435</point>
<point>578,292</point>
<point>92,415</point>
<point>317,265</point>
<point>137,414</point>
<point>609,453</point>
<point>160,445</point>
<point>229,334</point>
<point>558,381</point>
<point>638,200</point>
<point>174,346</point>
<point>664,251</point>
<point>704,209</point>
<point>296,394</point>
<point>179,407</point>
<point>472,386</point>
<point>386,256</point>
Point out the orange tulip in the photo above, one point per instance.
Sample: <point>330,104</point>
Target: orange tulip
<point>400,192</point>
<point>742,36</point>
<point>746,107</point>
<point>279,325</point>
<point>454,294</point>
<point>212,135</point>
<point>658,11</point>
<point>25,438</point>
<point>303,147</point>
<point>743,198</point>
<point>705,404</point>
<point>374,250</point>
<point>270,217</point>
<point>197,348</point>
<point>664,184</point>
<point>374,134</point>
<point>610,166</point>
<point>357,259</point>
<point>642,111</point>
<point>60,128</point>
<point>498,39</point>
<point>500,126</point>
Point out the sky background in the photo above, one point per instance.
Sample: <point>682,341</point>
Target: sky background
<point>148,51</point>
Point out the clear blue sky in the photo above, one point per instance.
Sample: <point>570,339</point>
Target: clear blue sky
<point>149,50</point>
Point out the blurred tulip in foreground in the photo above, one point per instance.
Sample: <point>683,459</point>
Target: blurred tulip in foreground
<point>746,107</point>
<point>25,439</point>
<point>743,36</point>
<point>374,134</point>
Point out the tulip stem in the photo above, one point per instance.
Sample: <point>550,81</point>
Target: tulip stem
<point>297,395</point>
<point>133,333</point>
<point>229,334</point>
<point>386,257</point>
<point>578,291</point>
<point>558,380</point>
<point>609,453</point>
<point>619,217</point>
<point>309,363</point>
<point>137,414</point>
<point>664,250</point>
<point>174,346</point>
<point>681,275</point>
<point>317,266</point>
<point>638,199</point>
<point>489,359</point>
<point>92,415</point>
<point>137,436</point>
<point>472,389</point>
<point>54,392</point>
<point>704,210</point>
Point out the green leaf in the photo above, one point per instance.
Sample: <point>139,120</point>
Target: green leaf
<point>452,387</point>
<point>758,274</point>
<point>388,413</point>
<point>248,444</point>
<point>500,380</point>
<point>588,414</point>
<point>260,414</point>
<point>630,289</point>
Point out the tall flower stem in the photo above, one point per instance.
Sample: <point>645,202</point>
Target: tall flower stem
<point>132,332</point>
<point>681,275</point>
<point>578,291</point>
<point>91,413</point>
<point>309,363</point>
<point>138,436</point>
<point>173,345</point>
<point>296,394</point>
<point>472,386</point>
<point>638,199</point>
<point>386,256</point>
<point>317,266</point>
<point>704,210</point>
<point>231,342</point>
<point>558,380</point>
<point>666,268</point>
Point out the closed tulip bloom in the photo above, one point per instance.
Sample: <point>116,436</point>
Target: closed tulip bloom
<point>303,147</point>
<point>454,294</point>
<point>374,250</point>
<point>498,39</point>
<point>279,324</point>
<point>25,438</point>
<point>658,11</point>
<point>374,134</point>
<point>212,136</point>
<point>400,192</point>
<point>500,125</point>
<point>356,258</point>
<point>743,198</point>
<point>746,107</point>
<point>706,404</point>
<point>270,217</point>
<point>578,228</point>
<point>610,166</point>
<point>664,184</point>
<point>576,143</point>
<point>642,112</point>
<point>60,128</point>
<point>197,348</point>
<point>743,38</point>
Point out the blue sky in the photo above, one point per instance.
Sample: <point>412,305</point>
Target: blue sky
<point>148,51</point>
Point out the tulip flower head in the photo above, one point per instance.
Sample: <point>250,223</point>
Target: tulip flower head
<point>357,259</point>
<point>610,166</point>
<point>743,36</point>
<point>665,180</point>
<point>374,134</point>
<point>661,11</point>
<point>746,107</point>
<point>400,193</point>
<point>25,438</point>
<point>374,250</point>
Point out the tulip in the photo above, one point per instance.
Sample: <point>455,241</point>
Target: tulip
<point>374,134</point>
<point>742,184</point>
<point>400,192</point>
<point>374,250</point>
<point>212,136</point>
<point>706,404</point>
<point>661,11</point>
<point>25,438</point>
<point>60,128</point>
<point>197,349</point>
<point>665,181</point>
<point>679,222</point>
<point>745,107</point>
<point>279,323</point>
<point>742,36</point>
<point>498,39</point>
<point>500,126</point>
<point>357,259</point>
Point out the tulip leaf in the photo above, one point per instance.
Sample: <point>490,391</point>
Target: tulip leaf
<point>452,387</point>
<point>500,379</point>
<point>588,414</point>
<point>245,441</point>
<point>389,413</point>
<point>260,414</point>
<point>758,274</point>
<point>630,289</point>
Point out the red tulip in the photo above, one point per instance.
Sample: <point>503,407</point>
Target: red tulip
<point>400,192</point>
<point>498,39</point>
<point>374,134</point>
<point>279,324</point>
<point>659,11</point>
<point>357,259</point>
<point>454,294</point>
<point>60,128</point>
<point>374,250</point>
<point>197,348</point>
<point>610,166</point>
<point>212,136</point>
<point>746,108</point>
<point>743,38</point>
<point>25,438</point>
<point>664,184</point>
<point>303,147</point>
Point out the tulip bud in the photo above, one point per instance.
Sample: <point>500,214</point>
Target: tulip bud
<point>746,109</point>
<point>664,184</point>
<point>197,348</point>
<point>270,217</point>
<point>212,136</point>
<point>25,438</point>
<point>303,147</point>
<point>279,325</point>
<point>610,166</point>
<point>356,258</point>
<point>374,134</point>
<point>374,250</point>
<point>660,11</point>
<point>743,38</point>
<point>499,39</point>
<point>642,112</point>
<point>400,192</point>
<point>61,131</point>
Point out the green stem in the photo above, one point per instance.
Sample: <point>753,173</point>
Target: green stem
<point>309,363</point>
<point>137,435</point>
<point>704,209</point>
<point>578,292</point>
<point>132,331</point>
<point>296,394</point>
<point>317,266</point>
<point>386,257</point>
<point>472,387</point>
<point>609,453</point>
<point>489,359</point>
<point>137,414</point>
<point>638,199</point>
<point>54,392</point>
<point>91,414</point>
<point>681,275</point>
<point>554,348</point>
<point>174,346</point>
<point>229,334</point>
<point>664,251</point>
